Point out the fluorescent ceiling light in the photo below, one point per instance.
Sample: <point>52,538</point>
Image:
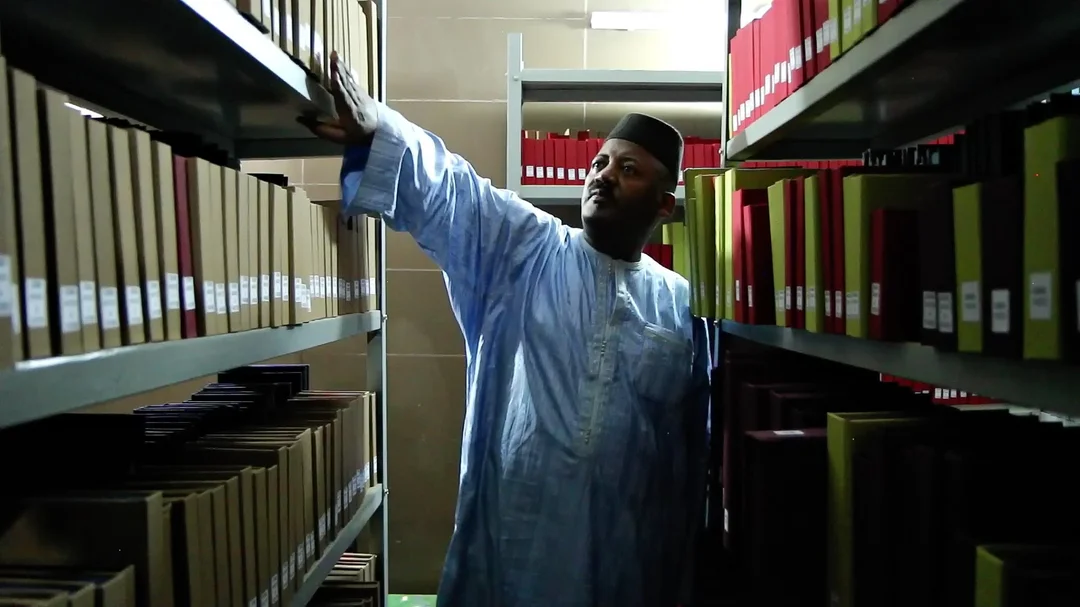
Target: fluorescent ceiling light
<point>630,21</point>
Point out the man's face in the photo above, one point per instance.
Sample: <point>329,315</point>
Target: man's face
<point>623,190</point>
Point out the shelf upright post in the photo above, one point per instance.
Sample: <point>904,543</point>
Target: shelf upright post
<point>376,372</point>
<point>729,24</point>
<point>514,101</point>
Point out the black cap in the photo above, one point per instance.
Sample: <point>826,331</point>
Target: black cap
<point>658,138</point>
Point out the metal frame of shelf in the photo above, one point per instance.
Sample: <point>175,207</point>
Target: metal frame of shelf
<point>196,67</point>
<point>1048,385</point>
<point>625,86</point>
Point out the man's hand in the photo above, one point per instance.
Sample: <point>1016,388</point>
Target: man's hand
<point>358,114</point>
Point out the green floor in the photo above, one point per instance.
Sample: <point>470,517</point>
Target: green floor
<point>412,600</point>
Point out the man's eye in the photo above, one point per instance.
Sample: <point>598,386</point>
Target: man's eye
<point>629,169</point>
<point>597,164</point>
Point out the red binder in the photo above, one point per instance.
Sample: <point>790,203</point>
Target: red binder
<point>758,250</point>
<point>825,285</point>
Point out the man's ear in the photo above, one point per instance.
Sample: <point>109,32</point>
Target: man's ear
<point>667,205</point>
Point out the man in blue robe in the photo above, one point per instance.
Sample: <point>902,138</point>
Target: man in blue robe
<point>583,455</point>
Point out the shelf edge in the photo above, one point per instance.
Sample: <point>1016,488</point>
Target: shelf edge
<point>373,499</point>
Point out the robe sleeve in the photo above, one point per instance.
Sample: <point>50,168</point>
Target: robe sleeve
<point>476,233</point>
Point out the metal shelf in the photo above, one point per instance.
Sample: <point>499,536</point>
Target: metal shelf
<point>621,86</point>
<point>934,66</point>
<point>1042,384</point>
<point>40,388</point>
<point>373,499</point>
<point>194,66</point>
<point>564,195</point>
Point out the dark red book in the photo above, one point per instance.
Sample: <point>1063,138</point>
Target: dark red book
<point>189,326</point>
<point>759,277</point>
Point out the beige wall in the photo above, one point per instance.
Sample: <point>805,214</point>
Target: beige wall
<point>446,72</point>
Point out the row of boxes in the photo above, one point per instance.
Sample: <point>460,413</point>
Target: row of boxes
<point>963,247</point>
<point>229,498</point>
<point>839,489</point>
<point>352,581</point>
<point>309,30</point>
<point>562,159</point>
<point>109,238</point>
<point>776,54</point>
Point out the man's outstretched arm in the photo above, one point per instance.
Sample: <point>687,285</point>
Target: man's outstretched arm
<point>475,232</point>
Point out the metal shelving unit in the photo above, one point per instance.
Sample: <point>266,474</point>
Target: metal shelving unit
<point>39,388</point>
<point>1045,385</point>
<point>932,67</point>
<point>525,85</point>
<point>201,68</point>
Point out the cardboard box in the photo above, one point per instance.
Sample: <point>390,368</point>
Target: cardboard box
<point>105,258</point>
<point>146,221</point>
<point>10,318</point>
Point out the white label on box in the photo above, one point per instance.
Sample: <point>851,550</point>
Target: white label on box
<point>750,295</point>
<point>245,288</point>
<point>828,303</point>
<point>529,171</point>
<point>559,173</point>
<point>37,307</point>
<point>853,305</point>
<point>337,504</point>
<point>253,603</point>
<point>277,285</point>
<point>929,310</point>
<point>234,297</point>
<point>811,298</point>
<point>221,303</point>
<point>6,290</point>
<point>153,299</point>
<point>738,291</point>
<point>857,16</point>
<point>88,302</point>
<point>253,290</point>
<point>875,299</point>
<point>357,290</point>
<point>133,303</point>
<point>70,319</point>
<point>778,299</point>
<point>293,562</point>
<point>1041,303</point>
<point>110,308</point>
<point>1000,310</point>
<point>788,433</point>
<point>838,304</point>
<point>550,172</point>
<point>310,545</point>
<point>971,308</point>
<point>581,174</point>
<point>285,579</point>
<point>301,557</point>
<point>798,298</point>
<point>846,19</point>
<point>172,291</point>
<point>808,49</point>
<point>264,287</point>
<point>209,297</point>
<point>285,288</point>
<point>945,312</point>
<point>275,595</point>
<point>322,526</point>
<point>189,293</point>
<point>264,598</point>
<point>787,298</point>
<point>348,291</point>
<point>16,310</point>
